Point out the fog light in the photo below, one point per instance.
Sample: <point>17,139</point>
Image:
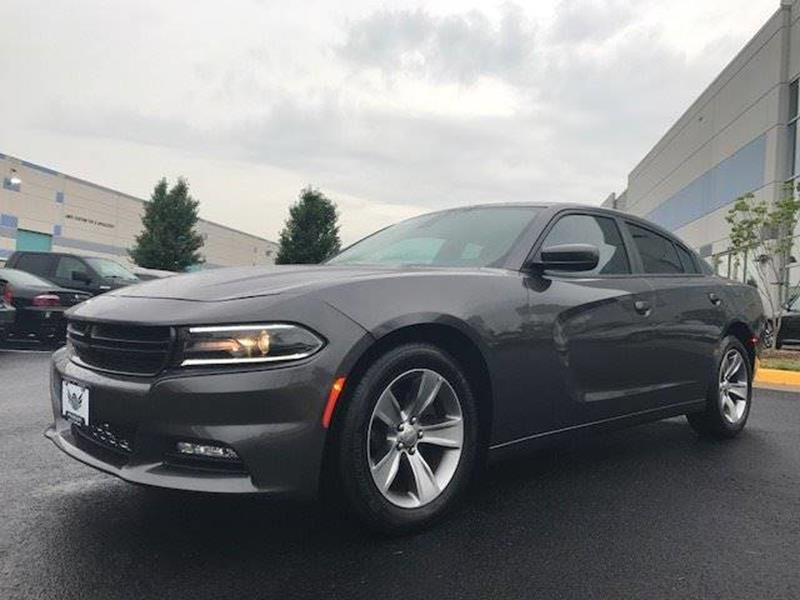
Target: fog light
<point>207,451</point>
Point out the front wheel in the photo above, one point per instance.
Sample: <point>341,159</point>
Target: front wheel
<point>407,441</point>
<point>729,395</point>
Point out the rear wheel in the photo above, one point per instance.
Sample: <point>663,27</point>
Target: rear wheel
<point>407,440</point>
<point>729,396</point>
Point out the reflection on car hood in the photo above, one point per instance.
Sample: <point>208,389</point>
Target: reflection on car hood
<point>247,282</point>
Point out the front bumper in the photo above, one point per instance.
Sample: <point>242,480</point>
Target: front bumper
<point>270,417</point>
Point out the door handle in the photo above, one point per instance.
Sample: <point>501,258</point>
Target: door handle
<point>715,300</point>
<point>642,307</point>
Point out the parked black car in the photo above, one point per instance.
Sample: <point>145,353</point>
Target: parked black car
<point>7,316</point>
<point>86,273</point>
<point>39,305</point>
<point>387,374</point>
<point>790,325</point>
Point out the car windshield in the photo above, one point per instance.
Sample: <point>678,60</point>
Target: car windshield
<point>23,278</point>
<point>110,269</point>
<point>475,237</point>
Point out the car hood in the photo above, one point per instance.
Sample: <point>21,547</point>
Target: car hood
<point>247,282</point>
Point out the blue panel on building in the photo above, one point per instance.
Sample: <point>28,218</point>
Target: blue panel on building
<point>34,241</point>
<point>735,176</point>
<point>56,230</point>
<point>85,245</point>
<point>8,221</point>
<point>60,197</point>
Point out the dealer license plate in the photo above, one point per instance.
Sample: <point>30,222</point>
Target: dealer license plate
<point>75,402</point>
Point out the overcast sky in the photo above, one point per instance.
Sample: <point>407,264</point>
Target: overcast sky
<point>391,108</point>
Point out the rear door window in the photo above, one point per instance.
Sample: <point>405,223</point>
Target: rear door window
<point>658,253</point>
<point>687,261</point>
<point>601,232</point>
<point>38,264</point>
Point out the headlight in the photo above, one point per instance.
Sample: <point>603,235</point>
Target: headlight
<point>246,344</point>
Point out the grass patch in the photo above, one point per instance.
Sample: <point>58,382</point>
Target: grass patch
<point>785,360</point>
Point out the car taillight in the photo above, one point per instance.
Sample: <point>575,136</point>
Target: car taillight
<point>8,296</point>
<point>47,300</point>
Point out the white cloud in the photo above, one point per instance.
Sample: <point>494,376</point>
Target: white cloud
<point>391,110</point>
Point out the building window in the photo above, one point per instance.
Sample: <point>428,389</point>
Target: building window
<point>12,184</point>
<point>793,114</point>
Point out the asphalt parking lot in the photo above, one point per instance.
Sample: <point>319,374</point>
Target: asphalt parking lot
<point>651,512</point>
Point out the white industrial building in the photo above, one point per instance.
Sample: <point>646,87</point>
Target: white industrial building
<point>739,136</point>
<point>42,209</point>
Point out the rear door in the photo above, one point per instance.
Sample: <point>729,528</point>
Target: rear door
<point>688,315</point>
<point>601,331</point>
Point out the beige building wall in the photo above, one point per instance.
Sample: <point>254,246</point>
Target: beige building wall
<point>733,140</point>
<point>85,218</point>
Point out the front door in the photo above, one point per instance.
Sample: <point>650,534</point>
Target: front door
<point>72,272</point>
<point>601,325</point>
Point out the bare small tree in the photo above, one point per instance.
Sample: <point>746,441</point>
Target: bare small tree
<point>766,232</point>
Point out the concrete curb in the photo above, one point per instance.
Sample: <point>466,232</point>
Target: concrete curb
<point>776,377</point>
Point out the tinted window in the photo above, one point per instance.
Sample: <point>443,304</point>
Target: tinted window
<point>475,237</point>
<point>657,252</point>
<point>687,262</point>
<point>601,232</point>
<point>67,265</point>
<point>38,264</point>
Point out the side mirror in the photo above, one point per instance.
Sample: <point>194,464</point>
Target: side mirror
<point>81,277</point>
<point>568,257</point>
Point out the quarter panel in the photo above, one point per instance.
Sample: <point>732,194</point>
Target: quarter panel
<point>741,303</point>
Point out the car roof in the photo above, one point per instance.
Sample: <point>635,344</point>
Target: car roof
<point>556,207</point>
<point>48,252</point>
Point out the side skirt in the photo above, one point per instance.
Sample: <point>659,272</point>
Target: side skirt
<point>539,440</point>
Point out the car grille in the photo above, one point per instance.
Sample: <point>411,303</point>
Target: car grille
<point>124,349</point>
<point>106,436</point>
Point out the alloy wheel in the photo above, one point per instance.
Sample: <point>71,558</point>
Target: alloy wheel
<point>415,438</point>
<point>733,386</point>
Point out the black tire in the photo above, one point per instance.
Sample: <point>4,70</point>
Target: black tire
<point>713,422</point>
<point>350,446</point>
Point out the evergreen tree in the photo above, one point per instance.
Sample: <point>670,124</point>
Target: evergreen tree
<point>169,239</point>
<point>311,234</point>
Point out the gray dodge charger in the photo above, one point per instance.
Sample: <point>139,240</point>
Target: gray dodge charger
<point>389,374</point>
